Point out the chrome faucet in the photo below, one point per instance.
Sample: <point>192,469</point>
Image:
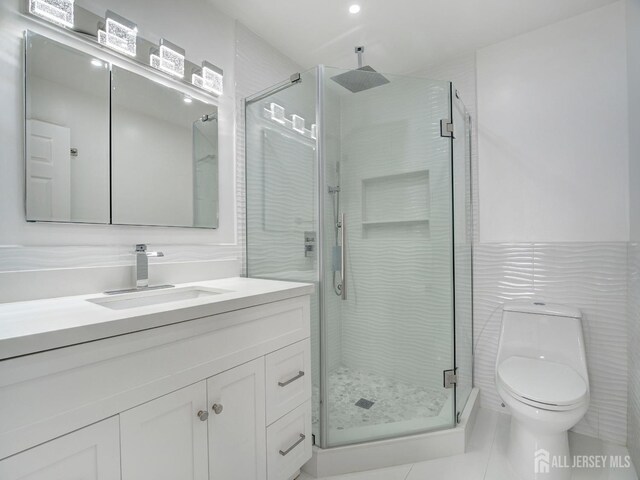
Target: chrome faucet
<point>142,265</point>
<point>142,271</point>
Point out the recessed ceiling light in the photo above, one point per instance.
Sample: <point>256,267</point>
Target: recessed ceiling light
<point>96,63</point>
<point>354,9</point>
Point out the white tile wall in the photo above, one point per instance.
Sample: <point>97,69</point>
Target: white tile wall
<point>258,66</point>
<point>633,436</point>
<point>590,276</point>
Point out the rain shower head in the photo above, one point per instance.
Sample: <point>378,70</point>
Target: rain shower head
<point>362,78</point>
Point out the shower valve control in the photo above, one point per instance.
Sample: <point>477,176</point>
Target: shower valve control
<point>309,244</point>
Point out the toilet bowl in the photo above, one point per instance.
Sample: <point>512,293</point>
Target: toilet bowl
<point>541,375</point>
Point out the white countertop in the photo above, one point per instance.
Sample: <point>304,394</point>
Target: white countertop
<point>38,325</point>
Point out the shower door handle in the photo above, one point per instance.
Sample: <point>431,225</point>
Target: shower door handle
<point>343,258</point>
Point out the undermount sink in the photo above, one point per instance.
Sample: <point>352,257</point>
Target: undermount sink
<point>156,297</point>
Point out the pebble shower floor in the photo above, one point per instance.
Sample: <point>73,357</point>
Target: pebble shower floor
<point>392,401</point>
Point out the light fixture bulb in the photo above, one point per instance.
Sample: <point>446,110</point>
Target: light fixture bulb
<point>56,11</point>
<point>169,58</point>
<point>119,34</point>
<point>187,100</point>
<point>209,78</point>
<point>353,9</point>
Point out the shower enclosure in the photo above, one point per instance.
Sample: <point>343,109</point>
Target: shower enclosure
<point>366,192</point>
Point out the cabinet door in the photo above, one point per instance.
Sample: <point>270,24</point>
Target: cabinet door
<point>166,438</point>
<point>91,453</point>
<point>237,445</point>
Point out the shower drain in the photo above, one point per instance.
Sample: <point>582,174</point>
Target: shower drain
<point>364,403</point>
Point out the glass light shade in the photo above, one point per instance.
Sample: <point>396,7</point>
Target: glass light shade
<point>297,123</point>
<point>209,78</point>
<point>119,34</point>
<point>56,11</point>
<point>169,58</point>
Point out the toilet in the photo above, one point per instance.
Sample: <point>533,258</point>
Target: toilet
<point>541,375</point>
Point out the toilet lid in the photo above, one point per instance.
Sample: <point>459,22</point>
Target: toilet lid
<point>542,381</point>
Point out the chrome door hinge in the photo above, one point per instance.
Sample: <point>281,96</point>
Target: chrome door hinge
<point>446,128</point>
<point>450,378</point>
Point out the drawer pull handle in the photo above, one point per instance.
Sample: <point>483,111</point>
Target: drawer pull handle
<point>203,415</point>
<point>299,375</point>
<point>300,440</point>
<point>217,408</point>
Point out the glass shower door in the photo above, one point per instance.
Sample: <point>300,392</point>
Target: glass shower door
<point>387,330</point>
<point>281,180</point>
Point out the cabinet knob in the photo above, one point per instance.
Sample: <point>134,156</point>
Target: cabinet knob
<point>203,415</point>
<point>217,408</point>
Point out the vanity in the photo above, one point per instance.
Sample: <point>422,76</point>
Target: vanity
<point>209,380</point>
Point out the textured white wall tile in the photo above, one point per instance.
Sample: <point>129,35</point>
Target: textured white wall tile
<point>502,273</point>
<point>590,276</point>
<point>633,434</point>
<point>593,277</point>
<point>258,66</point>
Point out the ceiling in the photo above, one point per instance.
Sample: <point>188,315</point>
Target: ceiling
<point>401,36</point>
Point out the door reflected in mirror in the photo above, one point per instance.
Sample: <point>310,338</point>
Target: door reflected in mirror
<point>67,134</point>
<point>164,148</point>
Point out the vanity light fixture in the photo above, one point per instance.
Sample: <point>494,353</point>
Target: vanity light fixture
<point>353,9</point>
<point>56,11</point>
<point>209,78</point>
<point>169,58</point>
<point>119,34</point>
<point>188,100</point>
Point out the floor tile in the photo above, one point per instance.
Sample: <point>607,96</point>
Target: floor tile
<point>469,466</point>
<point>486,458</point>
<point>392,473</point>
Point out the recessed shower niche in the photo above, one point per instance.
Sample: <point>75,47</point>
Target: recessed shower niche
<point>392,200</point>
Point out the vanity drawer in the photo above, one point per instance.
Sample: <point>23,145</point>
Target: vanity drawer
<point>288,376</point>
<point>289,443</point>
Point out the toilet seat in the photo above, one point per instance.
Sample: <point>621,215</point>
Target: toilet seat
<point>542,384</point>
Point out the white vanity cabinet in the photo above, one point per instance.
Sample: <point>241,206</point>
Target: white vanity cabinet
<point>222,397</point>
<point>166,437</point>
<point>91,453</point>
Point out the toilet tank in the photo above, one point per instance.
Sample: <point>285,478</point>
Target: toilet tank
<point>544,331</point>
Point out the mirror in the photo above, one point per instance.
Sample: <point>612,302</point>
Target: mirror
<point>105,145</point>
<point>66,134</point>
<point>164,155</point>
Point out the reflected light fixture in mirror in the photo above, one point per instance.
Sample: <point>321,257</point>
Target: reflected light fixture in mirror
<point>119,34</point>
<point>354,9</point>
<point>56,11</point>
<point>297,123</point>
<point>169,58</point>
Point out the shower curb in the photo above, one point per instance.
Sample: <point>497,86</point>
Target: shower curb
<point>397,451</point>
